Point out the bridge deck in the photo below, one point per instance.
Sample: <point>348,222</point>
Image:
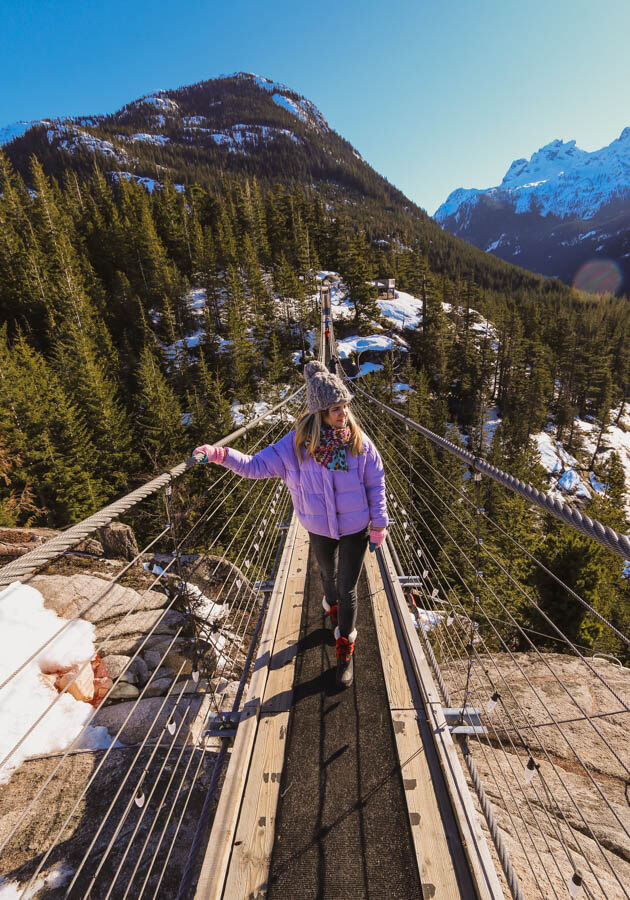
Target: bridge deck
<point>341,797</point>
<point>342,825</point>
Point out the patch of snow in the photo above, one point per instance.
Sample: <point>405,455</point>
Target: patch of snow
<point>266,83</point>
<point>569,480</point>
<point>404,310</point>
<point>243,412</point>
<point>381,342</point>
<point>196,299</point>
<point>25,625</point>
<point>367,367</point>
<point>149,183</point>
<point>204,607</point>
<point>428,618</point>
<point>596,484</point>
<point>158,139</point>
<point>9,133</point>
<point>582,491</point>
<point>290,105</point>
<point>491,422</point>
<point>157,99</point>
<point>55,878</point>
<point>546,447</point>
<point>615,439</point>
<point>72,139</point>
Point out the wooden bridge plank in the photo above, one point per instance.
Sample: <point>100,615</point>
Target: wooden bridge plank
<point>253,844</point>
<point>437,873</point>
<point>486,881</point>
<point>219,848</point>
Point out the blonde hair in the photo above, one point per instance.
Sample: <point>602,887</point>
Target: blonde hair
<point>308,430</point>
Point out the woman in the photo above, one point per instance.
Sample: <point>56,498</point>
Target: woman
<point>337,484</point>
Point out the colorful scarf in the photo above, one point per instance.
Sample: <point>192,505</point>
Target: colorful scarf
<point>331,451</point>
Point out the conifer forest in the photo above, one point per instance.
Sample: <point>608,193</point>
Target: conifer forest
<point>99,389</point>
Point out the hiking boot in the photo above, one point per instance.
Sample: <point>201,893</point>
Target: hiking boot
<point>331,611</point>
<point>345,665</point>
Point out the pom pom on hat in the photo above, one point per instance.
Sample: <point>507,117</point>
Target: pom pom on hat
<point>323,388</point>
<point>312,367</point>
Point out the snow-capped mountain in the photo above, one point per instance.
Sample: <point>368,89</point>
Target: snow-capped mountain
<point>554,212</point>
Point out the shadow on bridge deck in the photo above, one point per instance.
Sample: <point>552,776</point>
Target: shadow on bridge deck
<point>342,824</point>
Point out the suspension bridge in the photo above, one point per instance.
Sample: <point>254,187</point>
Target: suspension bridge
<point>465,761</point>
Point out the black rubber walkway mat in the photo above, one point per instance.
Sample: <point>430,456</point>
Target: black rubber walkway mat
<point>342,829</point>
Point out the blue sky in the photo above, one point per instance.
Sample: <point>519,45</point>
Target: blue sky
<point>434,94</point>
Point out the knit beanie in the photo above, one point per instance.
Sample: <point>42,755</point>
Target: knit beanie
<point>323,389</point>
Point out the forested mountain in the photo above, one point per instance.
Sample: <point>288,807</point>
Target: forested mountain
<point>564,213</point>
<point>246,126</point>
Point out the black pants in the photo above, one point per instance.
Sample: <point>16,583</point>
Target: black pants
<point>340,566</point>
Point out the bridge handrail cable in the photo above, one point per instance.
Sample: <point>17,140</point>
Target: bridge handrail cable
<point>613,540</point>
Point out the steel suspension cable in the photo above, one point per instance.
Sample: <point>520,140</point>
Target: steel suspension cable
<point>525,743</point>
<point>519,587</point>
<point>612,540</point>
<point>130,802</point>
<point>462,497</point>
<point>467,651</point>
<point>218,764</point>
<point>133,709</point>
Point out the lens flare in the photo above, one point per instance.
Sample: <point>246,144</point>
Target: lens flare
<point>598,276</point>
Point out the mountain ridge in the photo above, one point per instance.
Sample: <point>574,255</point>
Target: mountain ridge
<point>563,197</point>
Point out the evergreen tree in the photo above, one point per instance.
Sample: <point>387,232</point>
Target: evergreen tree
<point>159,415</point>
<point>358,276</point>
<point>211,416</point>
<point>48,440</point>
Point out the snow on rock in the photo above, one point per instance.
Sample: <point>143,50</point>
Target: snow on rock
<point>404,310</point>
<point>558,462</point>
<point>402,391</point>
<point>240,411</point>
<point>238,135</point>
<point>205,608</point>
<point>569,480</point>
<point>159,101</point>
<point>553,456</point>
<point>25,625</point>
<point>367,367</point>
<point>196,299</point>
<point>491,421</point>
<point>356,344</point>
<point>159,139</point>
<point>71,138</point>
<point>54,878</point>
<point>596,484</point>
<point>149,183</point>
<point>9,133</point>
<point>546,447</point>
<point>582,491</point>
<point>615,439</point>
<point>290,105</point>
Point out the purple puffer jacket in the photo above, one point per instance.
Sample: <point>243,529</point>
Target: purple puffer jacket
<point>331,503</point>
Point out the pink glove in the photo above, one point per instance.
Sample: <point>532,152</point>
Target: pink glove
<point>207,453</point>
<point>377,536</point>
